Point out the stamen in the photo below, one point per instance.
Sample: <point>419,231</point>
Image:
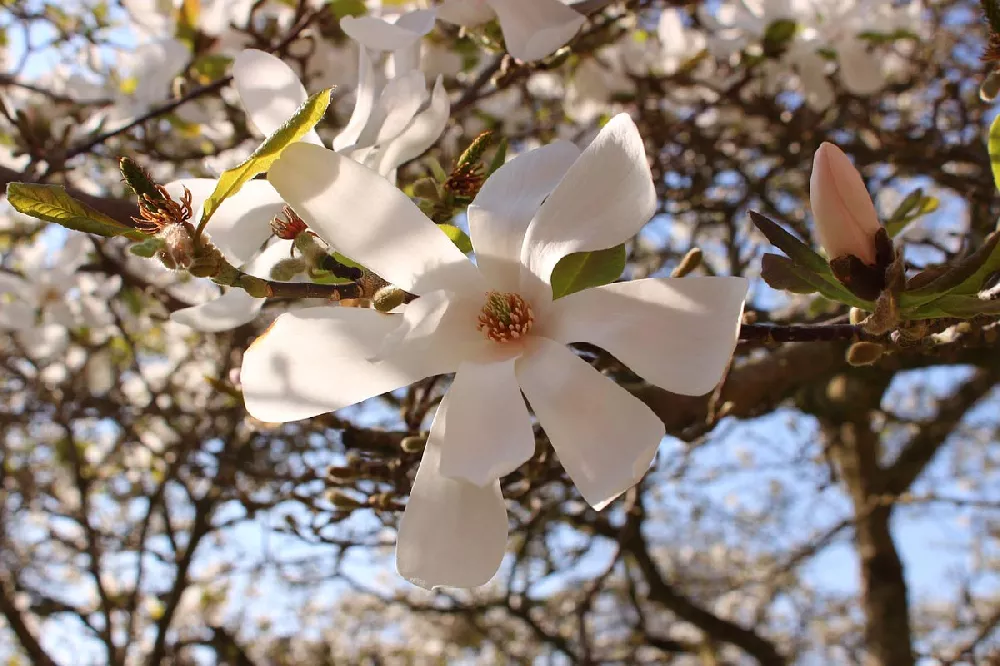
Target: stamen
<point>505,317</point>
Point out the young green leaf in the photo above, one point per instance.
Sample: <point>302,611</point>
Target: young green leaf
<point>796,250</point>
<point>993,144</point>
<point>52,203</point>
<point>583,270</point>
<point>303,120</point>
<point>457,236</point>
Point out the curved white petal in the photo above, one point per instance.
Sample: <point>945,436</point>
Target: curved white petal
<point>676,333</point>
<point>482,427</point>
<point>401,98</point>
<point>421,133</point>
<point>314,360</point>
<point>407,58</point>
<point>604,436</point>
<point>231,309</point>
<point>270,91</point>
<point>367,91</point>
<point>500,213</point>
<point>363,216</point>
<point>464,12</point>
<point>243,222</point>
<point>603,200</point>
<point>452,533</point>
<point>17,316</point>
<point>533,29</point>
<point>860,71</point>
<point>380,35</point>
<point>261,265</point>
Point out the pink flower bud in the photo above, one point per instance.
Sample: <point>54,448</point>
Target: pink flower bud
<point>845,218</point>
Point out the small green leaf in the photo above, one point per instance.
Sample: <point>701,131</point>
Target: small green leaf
<point>966,277</point>
<point>303,120</point>
<point>915,205</point>
<point>457,236</point>
<point>584,270</point>
<point>499,158</point>
<point>147,248</point>
<point>440,175</point>
<point>783,273</point>
<point>342,8</point>
<point>993,143</point>
<point>956,305</point>
<point>52,204</point>
<point>796,250</point>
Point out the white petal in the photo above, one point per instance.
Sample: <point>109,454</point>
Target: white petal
<point>364,216</point>
<point>464,12</point>
<point>500,213</point>
<point>230,310</point>
<point>452,533</point>
<point>313,361</point>
<point>604,199</point>
<point>270,91</point>
<point>407,58</point>
<point>243,222</point>
<point>482,426</point>
<point>261,265</point>
<point>200,188</point>
<point>367,92</point>
<point>860,71</point>
<point>400,100</point>
<point>533,29</point>
<point>604,436</point>
<point>43,341</point>
<point>379,35</point>
<point>678,334</point>
<point>16,316</point>
<point>420,135</point>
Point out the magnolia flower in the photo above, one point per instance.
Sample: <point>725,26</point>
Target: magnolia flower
<point>494,323</point>
<point>846,221</point>
<point>391,124</point>
<point>51,296</point>
<point>532,29</point>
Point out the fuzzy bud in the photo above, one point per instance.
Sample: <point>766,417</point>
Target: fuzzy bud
<point>388,298</point>
<point>286,269</point>
<point>845,217</point>
<point>178,246</point>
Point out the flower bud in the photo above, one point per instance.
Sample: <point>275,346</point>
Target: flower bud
<point>845,218</point>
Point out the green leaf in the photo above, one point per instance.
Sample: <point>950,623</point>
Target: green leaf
<point>147,248</point>
<point>956,305</point>
<point>52,203</point>
<point>457,236</point>
<point>966,277</point>
<point>584,270</point>
<point>230,182</point>
<point>915,205</point>
<point>499,158</point>
<point>783,273</point>
<point>796,250</point>
<point>993,143</point>
<point>342,8</point>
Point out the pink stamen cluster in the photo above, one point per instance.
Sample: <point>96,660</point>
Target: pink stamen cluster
<point>505,317</point>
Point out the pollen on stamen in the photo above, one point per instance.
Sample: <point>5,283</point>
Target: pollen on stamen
<point>505,317</point>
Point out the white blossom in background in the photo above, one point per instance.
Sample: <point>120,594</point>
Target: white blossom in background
<point>532,29</point>
<point>50,296</point>
<point>496,325</point>
<point>820,27</point>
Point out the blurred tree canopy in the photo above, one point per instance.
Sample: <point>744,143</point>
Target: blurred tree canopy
<point>809,510</point>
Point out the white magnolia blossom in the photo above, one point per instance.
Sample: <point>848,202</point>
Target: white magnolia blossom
<point>51,296</point>
<point>532,29</point>
<point>495,324</point>
<point>822,26</point>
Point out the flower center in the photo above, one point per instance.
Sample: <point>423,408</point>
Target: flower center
<point>505,317</point>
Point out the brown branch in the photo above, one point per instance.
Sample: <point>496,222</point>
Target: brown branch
<point>28,640</point>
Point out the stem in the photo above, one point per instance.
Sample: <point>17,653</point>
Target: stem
<point>802,333</point>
